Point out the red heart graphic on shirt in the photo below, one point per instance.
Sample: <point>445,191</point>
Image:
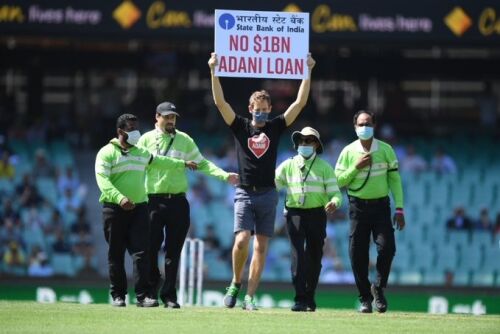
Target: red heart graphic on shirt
<point>259,144</point>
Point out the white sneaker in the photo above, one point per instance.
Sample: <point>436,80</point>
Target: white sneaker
<point>118,302</point>
<point>147,302</point>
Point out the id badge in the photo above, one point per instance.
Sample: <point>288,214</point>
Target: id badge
<point>302,199</point>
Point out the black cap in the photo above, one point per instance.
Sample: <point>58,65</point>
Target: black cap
<point>166,108</point>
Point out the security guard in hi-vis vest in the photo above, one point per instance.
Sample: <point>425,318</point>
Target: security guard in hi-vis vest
<point>312,192</point>
<point>368,168</point>
<point>169,209</point>
<point>120,170</point>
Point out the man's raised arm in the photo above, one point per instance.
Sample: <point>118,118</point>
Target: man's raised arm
<point>224,108</point>
<point>296,107</point>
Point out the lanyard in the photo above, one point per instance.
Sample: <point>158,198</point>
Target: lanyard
<point>307,174</point>
<point>364,182</point>
<point>168,146</point>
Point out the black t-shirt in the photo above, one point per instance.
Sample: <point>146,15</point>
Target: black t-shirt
<point>257,149</point>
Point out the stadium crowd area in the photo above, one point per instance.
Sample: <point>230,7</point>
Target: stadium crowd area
<point>44,229</point>
<point>448,152</point>
<point>452,205</point>
<point>452,198</point>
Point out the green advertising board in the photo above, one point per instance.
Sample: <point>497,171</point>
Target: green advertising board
<point>410,301</point>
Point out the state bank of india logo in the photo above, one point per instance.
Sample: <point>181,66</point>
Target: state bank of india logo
<point>226,21</point>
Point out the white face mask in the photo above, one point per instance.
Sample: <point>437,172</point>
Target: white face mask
<point>133,137</point>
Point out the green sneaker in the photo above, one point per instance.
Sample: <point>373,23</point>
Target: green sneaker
<point>231,295</point>
<point>249,304</point>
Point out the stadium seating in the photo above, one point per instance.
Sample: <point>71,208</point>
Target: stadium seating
<point>446,257</point>
<point>410,277</point>
<point>218,269</point>
<point>37,228</point>
<point>434,277</point>
<point>461,277</point>
<point>63,265</point>
<point>426,250</point>
<point>483,278</point>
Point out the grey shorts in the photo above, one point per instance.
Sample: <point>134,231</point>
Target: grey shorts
<point>255,211</point>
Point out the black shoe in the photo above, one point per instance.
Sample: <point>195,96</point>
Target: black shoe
<point>171,304</point>
<point>380,301</point>
<point>311,306</point>
<point>366,306</point>
<point>118,302</point>
<point>147,302</point>
<point>299,307</point>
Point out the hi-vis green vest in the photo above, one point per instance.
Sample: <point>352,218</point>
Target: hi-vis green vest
<point>318,188</point>
<point>384,174</point>
<point>180,146</point>
<point>121,175</point>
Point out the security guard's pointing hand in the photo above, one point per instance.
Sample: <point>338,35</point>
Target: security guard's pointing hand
<point>233,179</point>
<point>191,165</point>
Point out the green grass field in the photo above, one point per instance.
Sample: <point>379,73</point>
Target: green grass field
<point>31,317</point>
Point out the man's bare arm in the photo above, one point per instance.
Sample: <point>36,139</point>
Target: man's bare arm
<point>296,107</point>
<point>224,108</point>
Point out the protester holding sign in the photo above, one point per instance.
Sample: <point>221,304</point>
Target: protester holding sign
<point>256,197</point>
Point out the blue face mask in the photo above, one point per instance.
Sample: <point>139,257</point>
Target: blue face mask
<point>260,117</point>
<point>305,151</point>
<point>364,132</point>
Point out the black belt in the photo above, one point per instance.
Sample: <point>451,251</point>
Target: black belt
<point>300,210</point>
<point>167,195</point>
<point>255,188</point>
<point>118,206</point>
<point>371,201</point>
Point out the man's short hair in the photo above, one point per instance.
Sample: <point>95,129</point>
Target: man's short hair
<point>121,122</point>
<point>356,115</point>
<point>260,95</point>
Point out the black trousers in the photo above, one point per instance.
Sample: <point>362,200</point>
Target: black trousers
<point>169,216</point>
<point>370,217</point>
<point>307,231</point>
<point>127,230</point>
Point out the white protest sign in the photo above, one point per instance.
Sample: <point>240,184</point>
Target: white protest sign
<point>257,44</point>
